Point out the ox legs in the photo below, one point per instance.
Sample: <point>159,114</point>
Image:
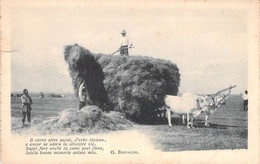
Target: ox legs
<point>169,116</point>
<point>183,119</point>
<point>206,120</point>
<point>189,121</point>
<point>207,114</point>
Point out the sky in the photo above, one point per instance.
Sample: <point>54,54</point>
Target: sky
<point>209,46</point>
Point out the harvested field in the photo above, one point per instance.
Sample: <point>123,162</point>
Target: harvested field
<point>228,126</point>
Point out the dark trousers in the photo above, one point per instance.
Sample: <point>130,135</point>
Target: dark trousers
<point>124,51</point>
<point>28,113</point>
<point>81,104</point>
<point>245,105</point>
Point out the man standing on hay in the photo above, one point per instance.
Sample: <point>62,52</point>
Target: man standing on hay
<point>125,44</point>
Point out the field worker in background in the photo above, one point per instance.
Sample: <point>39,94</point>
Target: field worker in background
<point>125,44</point>
<point>26,105</point>
<point>83,95</point>
<point>245,100</point>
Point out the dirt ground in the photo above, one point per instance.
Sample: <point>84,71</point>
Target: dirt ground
<point>228,125</point>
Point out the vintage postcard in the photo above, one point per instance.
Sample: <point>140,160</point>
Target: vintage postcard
<point>129,81</point>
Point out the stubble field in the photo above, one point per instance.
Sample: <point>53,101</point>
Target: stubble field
<point>228,125</point>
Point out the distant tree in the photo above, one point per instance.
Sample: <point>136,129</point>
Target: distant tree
<point>41,95</point>
<point>18,95</point>
<point>55,95</point>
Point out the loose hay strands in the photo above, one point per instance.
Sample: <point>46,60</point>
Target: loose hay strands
<point>135,85</point>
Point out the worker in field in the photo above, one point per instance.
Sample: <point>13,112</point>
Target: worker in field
<point>83,95</point>
<point>125,44</point>
<point>26,106</point>
<point>245,100</point>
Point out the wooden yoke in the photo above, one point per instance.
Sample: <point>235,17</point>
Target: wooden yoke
<point>223,90</point>
<point>229,88</point>
<point>221,94</point>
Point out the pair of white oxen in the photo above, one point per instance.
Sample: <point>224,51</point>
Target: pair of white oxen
<point>192,105</point>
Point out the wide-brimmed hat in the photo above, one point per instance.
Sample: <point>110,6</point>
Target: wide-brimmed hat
<point>123,32</point>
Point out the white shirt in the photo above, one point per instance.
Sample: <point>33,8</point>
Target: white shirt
<point>125,41</point>
<point>245,96</point>
<point>82,96</point>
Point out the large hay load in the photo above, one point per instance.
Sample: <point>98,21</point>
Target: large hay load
<point>134,85</point>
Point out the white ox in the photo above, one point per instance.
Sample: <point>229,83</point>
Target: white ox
<point>216,102</point>
<point>188,104</point>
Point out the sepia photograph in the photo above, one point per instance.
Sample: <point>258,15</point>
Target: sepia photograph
<point>175,76</point>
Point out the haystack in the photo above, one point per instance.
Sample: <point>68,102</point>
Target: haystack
<point>134,85</point>
<point>88,120</point>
